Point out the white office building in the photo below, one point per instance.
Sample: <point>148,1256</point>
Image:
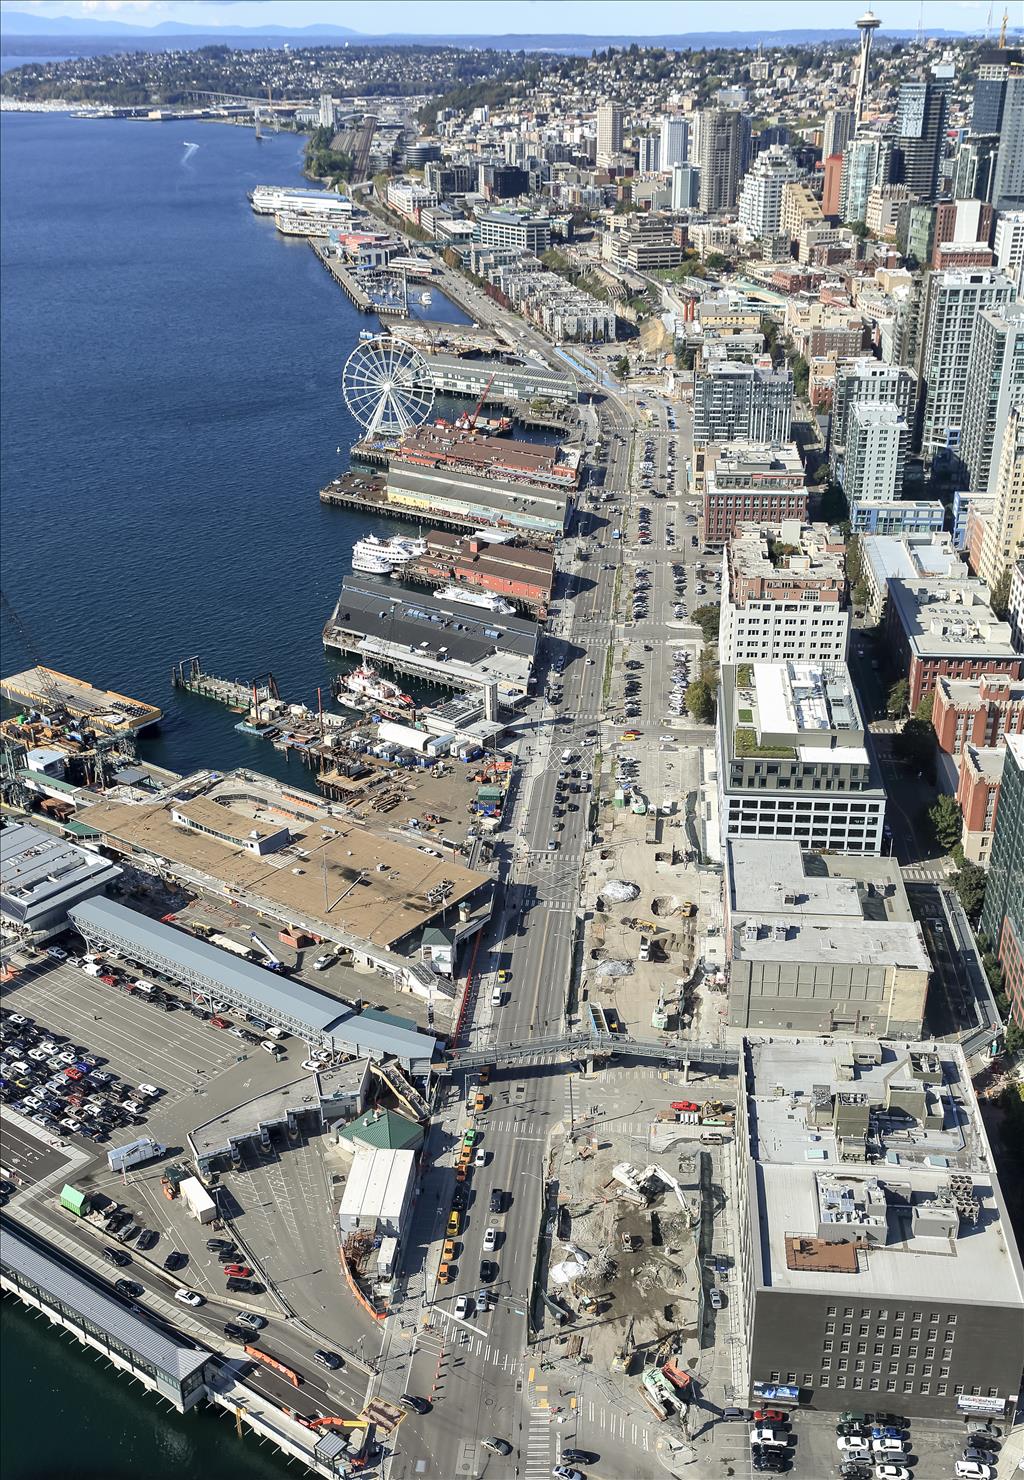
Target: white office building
<point>760,208</point>
<point>609,130</point>
<point>994,387</point>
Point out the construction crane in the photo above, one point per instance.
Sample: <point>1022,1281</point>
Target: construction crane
<point>1002,30</point>
<point>480,403</point>
<point>273,962</point>
<point>32,653</point>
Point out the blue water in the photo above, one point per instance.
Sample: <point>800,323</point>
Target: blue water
<point>170,408</point>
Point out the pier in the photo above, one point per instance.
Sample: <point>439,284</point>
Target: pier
<point>240,697</point>
<point>56,693</point>
<point>345,279</point>
<point>367,494</point>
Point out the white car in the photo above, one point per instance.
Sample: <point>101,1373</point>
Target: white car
<point>462,1307</point>
<point>892,1472</point>
<point>888,1446</point>
<point>188,1297</point>
<point>149,1090</point>
<point>853,1443</point>
<point>480,1159</point>
<point>971,1469</point>
<point>490,1240</point>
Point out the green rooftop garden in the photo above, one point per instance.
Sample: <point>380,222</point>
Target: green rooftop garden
<point>745,745</point>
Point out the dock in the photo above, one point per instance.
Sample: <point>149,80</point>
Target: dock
<point>367,494</point>
<point>239,697</point>
<point>104,710</point>
<point>345,279</point>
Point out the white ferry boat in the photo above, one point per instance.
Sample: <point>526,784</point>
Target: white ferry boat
<point>471,597</point>
<point>377,557</point>
<point>368,682</point>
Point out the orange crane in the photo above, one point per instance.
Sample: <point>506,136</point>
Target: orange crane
<point>480,403</point>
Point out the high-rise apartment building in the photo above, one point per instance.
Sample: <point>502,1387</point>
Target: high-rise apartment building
<point>609,130</point>
<point>865,163</point>
<point>840,126</point>
<point>955,299</point>
<point>995,385</point>
<point>868,380</point>
<point>990,88</point>
<point>760,207</point>
<point>784,595</point>
<point>921,115</point>
<point>649,154</point>
<point>1003,540</point>
<point>1008,245</point>
<point>871,467</point>
<point>675,141</point>
<point>736,401</point>
<point>685,186</point>
<point>1002,916</point>
<point>722,152</point>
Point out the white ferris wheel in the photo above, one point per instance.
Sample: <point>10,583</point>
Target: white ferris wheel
<point>387,386</point>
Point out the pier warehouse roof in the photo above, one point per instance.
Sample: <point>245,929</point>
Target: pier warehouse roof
<point>331,876</point>
<point>314,1015</point>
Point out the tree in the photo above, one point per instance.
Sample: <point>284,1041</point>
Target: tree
<point>700,700</point>
<point>947,823</point>
<point>969,884</point>
<point>915,743</point>
<point>1000,598</point>
<point>899,698</point>
<point>925,707</point>
<point>706,618</point>
<point>1013,1038</point>
<point>621,367</point>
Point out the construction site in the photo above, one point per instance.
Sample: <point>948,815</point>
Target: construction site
<point>623,1280</point>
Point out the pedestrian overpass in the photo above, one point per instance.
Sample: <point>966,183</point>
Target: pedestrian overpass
<point>538,1053</point>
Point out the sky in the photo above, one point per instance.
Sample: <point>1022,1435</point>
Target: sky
<point>497,17</point>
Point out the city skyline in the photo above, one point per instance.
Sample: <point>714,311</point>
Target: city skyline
<point>454,17</point>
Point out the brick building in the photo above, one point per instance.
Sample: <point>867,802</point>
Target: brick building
<point>977,793</point>
<point>977,711</point>
<point>522,575</point>
<point>945,628</point>
<point>748,482</point>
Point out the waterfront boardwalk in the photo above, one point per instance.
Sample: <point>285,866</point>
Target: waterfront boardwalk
<point>343,277</point>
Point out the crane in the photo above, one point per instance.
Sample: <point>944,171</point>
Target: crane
<point>273,963</point>
<point>1002,30</point>
<point>32,653</point>
<point>480,403</point>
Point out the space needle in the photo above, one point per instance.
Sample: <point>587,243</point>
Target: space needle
<point>867,26</point>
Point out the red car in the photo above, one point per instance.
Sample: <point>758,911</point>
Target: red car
<point>111,981</point>
<point>219,1022</point>
<point>238,1271</point>
<point>684,1105</point>
<point>72,1073</point>
<point>770,1415</point>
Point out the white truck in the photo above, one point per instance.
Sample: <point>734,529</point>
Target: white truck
<point>123,1158</point>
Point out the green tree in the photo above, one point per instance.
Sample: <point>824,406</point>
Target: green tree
<point>947,823</point>
<point>925,707</point>
<point>859,229</point>
<point>715,262</point>
<point>916,743</point>
<point>621,367</point>
<point>700,700</point>
<point>969,884</point>
<point>899,698</point>
<point>1000,598</point>
<point>706,618</point>
<point>1013,1038</point>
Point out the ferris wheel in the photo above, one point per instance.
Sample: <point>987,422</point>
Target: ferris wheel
<point>387,386</point>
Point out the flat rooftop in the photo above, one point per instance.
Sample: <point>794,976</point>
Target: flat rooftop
<point>539,462</point>
<point>810,706</point>
<point>950,618</point>
<point>336,873</point>
<point>40,872</point>
<point>906,557</point>
<point>764,558</point>
<point>786,904</point>
<point>105,709</point>
<point>926,1215</point>
<point>490,491</point>
<point>741,463</point>
<point>497,560</point>
<point>965,693</point>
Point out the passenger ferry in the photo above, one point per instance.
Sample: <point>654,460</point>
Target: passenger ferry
<point>377,557</point>
<point>471,597</point>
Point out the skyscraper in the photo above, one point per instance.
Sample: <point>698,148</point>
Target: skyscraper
<point>1008,174</point>
<point>723,149</point>
<point>1008,245</point>
<point>609,130</point>
<point>871,469</point>
<point>761,192</point>
<point>649,154</point>
<point>685,186</point>
<point>990,88</point>
<point>1003,540</point>
<point>675,141</point>
<point>840,126</point>
<point>955,299</point>
<point>1002,916</point>
<point>921,115</point>
<point>868,381</point>
<point>865,163</point>
<point>995,386</point>
<point>867,26</point>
